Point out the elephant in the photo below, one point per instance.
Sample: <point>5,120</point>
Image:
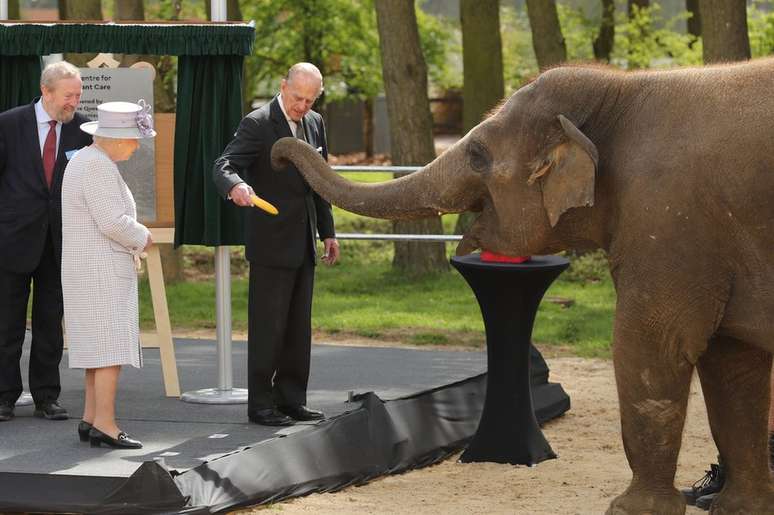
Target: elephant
<point>671,173</point>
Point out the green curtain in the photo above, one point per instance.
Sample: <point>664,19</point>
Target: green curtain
<point>209,109</point>
<point>19,80</point>
<point>209,103</point>
<point>160,39</point>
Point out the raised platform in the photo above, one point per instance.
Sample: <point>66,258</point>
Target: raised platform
<point>424,405</point>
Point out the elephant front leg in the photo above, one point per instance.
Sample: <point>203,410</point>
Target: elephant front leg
<point>653,383</point>
<point>735,379</point>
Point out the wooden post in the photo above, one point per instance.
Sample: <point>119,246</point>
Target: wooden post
<point>162,338</point>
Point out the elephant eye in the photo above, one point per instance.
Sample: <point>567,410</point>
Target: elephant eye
<point>480,159</point>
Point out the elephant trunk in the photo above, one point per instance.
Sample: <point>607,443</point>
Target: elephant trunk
<point>424,193</point>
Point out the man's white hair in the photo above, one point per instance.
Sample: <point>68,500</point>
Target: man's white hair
<point>304,69</point>
<point>57,71</point>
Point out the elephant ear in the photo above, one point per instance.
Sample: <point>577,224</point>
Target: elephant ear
<point>568,171</point>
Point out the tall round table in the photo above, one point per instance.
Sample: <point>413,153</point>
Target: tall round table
<point>509,295</point>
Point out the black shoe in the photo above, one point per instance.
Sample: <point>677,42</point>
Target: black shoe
<point>269,417</point>
<point>710,484</point>
<point>124,441</point>
<point>301,413</point>
<point>6,411</point>
<point>705,501</point>
<point>50,410</point>
<point>83,430</point>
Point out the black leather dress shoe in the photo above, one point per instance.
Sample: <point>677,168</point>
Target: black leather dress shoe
<point>50,410</point>
<point>6,411</point>
<point>269,417</point>
<point>124,441</point>
<point>83,430</point>
<point>301,413</point>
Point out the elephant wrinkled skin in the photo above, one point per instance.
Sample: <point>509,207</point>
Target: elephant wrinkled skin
<point>672,174</point>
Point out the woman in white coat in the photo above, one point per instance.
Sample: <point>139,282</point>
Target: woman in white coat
<point>101,246</point>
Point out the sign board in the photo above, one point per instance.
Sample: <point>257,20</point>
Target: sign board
<point>126,85</point>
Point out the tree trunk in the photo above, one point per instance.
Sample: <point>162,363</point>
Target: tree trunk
<point>13,10</point>
<point>724,30</point>
<point>411,126</point>
<point>603,43</point>
<point>694,22</point>
<point>482,59</point>
<point>129,10</point>
<point>547,38</point>
<point>80,10</point>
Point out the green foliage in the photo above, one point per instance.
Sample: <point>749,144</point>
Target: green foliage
<point>441,44</point>
<point>338,36</point>
<point>579,31</point>
<point>317,31</point>
<point>647,40</point>
<point>760,25</point>
<point>587,268</point>
<point>519,63</point>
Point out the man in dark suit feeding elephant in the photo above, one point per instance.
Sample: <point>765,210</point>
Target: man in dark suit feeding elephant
<point>281,248</point>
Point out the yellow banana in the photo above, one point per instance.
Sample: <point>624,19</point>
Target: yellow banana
<point>260,203</point>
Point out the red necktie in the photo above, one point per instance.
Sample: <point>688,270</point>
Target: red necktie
<point>49,153</point>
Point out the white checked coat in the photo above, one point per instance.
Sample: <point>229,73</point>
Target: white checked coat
<point>100,237</point>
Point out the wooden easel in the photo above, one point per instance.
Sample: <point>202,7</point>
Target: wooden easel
<point>162,337</point>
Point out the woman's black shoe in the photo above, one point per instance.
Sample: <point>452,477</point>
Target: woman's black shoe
<point>83,430</point>
<point>124,441</point>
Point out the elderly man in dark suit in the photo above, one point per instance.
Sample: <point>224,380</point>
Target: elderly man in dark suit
<point>281,249</point>
<point>36,142</point>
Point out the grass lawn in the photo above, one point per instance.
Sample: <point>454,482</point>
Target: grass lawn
<point>369,299</point>
<point>364,297</point>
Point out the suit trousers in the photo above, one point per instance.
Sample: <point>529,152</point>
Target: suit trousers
<point>279,334</point>
<point>47,341</point>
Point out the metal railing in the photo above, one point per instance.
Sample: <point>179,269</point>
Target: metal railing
<point>430,238</point>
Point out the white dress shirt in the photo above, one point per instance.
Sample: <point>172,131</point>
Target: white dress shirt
<point>293,124</point>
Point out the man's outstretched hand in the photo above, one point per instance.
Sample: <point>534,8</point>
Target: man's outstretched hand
<point>240,194</point>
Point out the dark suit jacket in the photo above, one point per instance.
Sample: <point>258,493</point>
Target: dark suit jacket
<point>27,207</point>
<point>280,240</point>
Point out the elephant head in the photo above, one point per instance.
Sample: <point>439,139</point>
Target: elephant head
<point>521,169</point>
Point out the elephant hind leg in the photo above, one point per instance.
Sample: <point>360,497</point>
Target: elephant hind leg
<point>735,379</point>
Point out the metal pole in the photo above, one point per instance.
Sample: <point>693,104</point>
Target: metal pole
<point>224,393</point>
<point>3,9</point>
<point>223,316</point>
<point>218,10</point>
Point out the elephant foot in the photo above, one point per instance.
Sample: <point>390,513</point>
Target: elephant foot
<point>730,502</point>
<point>640,502</point>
